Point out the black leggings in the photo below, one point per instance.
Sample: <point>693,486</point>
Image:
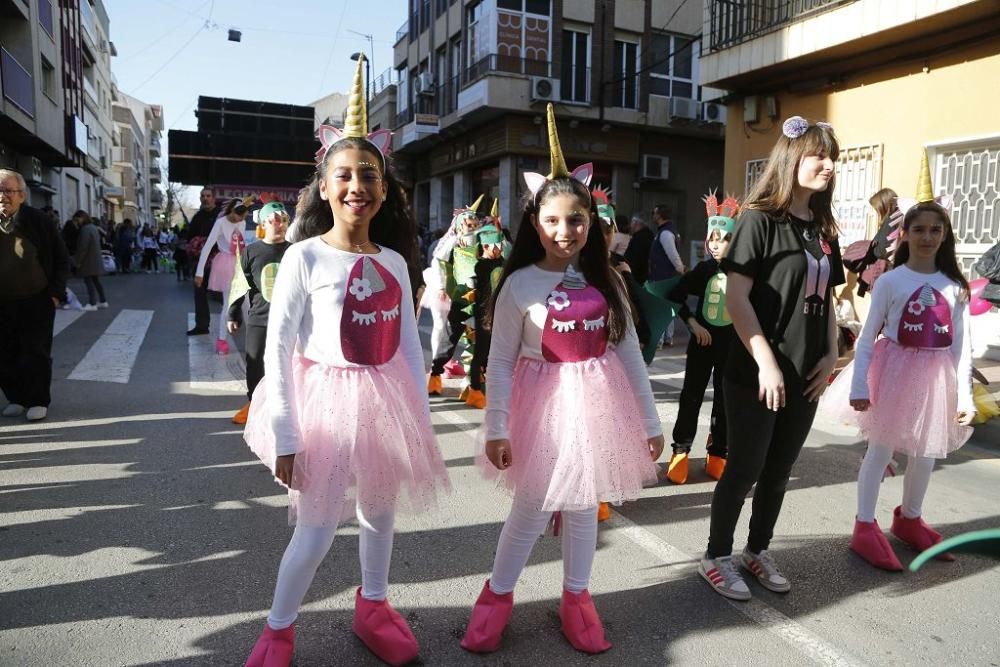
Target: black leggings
<point>456,327</point>
<point>95,291</point>
<point>256,339</point>
<point>149,259</point>
<point>703,361</point>
<point>763,447</point>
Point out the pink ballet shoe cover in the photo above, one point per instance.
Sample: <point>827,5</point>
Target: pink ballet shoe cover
<point>274,648</point>
<point>581,624</point>
<point>869,542</point>
<point>917,534</point>
<point>221,346</point>
<point>384,631</point>
<point>489,619</point>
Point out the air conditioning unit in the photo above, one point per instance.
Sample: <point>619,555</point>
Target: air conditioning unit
<point>683,107</point>
<point>656,167</point>
<point>544,89</point>
<point>30,168</point>
<point>713,112</point>
<point>424,84</point>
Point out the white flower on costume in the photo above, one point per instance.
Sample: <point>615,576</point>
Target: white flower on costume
<point>915,308</point>
<point>361,288</point>
<point>559,300</point>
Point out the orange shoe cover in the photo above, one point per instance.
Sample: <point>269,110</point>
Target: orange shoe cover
<point>603,512</point>
<point>476,399</point>
<point>241,416</point>
<point>677,469</point>
<point>714,466</point>
<point>434,385</point>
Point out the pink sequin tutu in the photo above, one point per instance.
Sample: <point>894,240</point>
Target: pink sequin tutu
<point>365,438</point>
<point>576,436</point>
<point>914,401</point>
<point>220,277</point>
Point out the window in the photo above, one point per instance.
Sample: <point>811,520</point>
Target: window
<point>45,17</point>
<point>425,15</point>
<point>672,67</point>
<point>575,73</point>
<point>440,7</point>
<point>403,89</point>
<point>968,171</point>
<point>626,82</point>
<point>48,79</point>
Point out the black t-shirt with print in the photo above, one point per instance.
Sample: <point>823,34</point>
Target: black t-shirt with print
<point>793,276</point>
<point>259,263</point>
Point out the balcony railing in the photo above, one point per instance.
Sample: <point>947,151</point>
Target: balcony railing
<point>383,81</point>
<point>403,117</point>
<point>446,96</point>
<point>510,64</point>
<point>403,30</point>
<point>18,86</point>
<point>733,22</point>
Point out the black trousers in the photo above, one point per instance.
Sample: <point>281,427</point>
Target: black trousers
<point>95,292</point>
<point>704,361</point>
<point>26,350</point>
<point>456,327</point>
<point>255,342</point>
<point>763,447</point>
<point>480,354</point>
<point>202,317</point>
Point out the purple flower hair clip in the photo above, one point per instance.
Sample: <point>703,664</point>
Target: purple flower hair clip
<point>796,126</point>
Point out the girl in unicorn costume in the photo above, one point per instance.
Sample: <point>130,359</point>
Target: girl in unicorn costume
<point>227,235</point>
<point>571,419</point>
<point>910,390</point>
<point>341,416</point>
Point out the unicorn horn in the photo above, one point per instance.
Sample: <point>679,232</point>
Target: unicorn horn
<point>925,191</point>
<point>559,168</point>
<point>356,120</point>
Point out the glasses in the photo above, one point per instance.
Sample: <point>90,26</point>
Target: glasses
<point>9,193</point>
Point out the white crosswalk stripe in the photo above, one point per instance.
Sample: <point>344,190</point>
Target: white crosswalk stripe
<point>211,371</point>
<point>64,318</point>
<point>112,356</point>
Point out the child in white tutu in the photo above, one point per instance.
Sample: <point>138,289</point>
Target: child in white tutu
<point>227,235</point>
<point>342,417</point>
<point>912,388</point>
<point>570,417</point>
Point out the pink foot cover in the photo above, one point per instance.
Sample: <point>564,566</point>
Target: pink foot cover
<point>870,543</point>
<point>917,534</point>
<point>489,618</point>
<point>274,648</point>
<point>221,346</point>
<point>383,631</point>
<point>581,624</point>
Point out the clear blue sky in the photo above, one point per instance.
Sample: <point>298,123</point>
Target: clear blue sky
<point>294,51</point>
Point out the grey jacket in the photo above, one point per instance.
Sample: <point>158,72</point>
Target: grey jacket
<point>87,257</point>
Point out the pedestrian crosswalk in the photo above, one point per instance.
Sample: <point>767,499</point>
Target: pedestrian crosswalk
<point>112,357</point>
<point>211,371</point>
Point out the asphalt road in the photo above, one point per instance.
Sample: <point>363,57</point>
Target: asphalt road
<point>136,528</point>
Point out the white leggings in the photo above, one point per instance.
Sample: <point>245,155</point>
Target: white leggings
<point>521,531</point>
<point>306,551</point>
<point>223,314</point>
<point>916,479</point>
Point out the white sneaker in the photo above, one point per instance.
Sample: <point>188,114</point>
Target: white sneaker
<point>90,308</point>
<point>13,410</point>
<point>763,567</point>
<point>721,574</point>
<point>36,413</point>
<point>103,304</point>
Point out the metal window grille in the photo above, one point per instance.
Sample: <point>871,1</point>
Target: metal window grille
<point>971,175</point>
<point>858,176</point>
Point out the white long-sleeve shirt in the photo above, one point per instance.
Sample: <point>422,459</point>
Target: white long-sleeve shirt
<point>340,309</point>
<point>222,236</point>
<point>669,242</point>
<point>528,300</point>
<point>917,310</point>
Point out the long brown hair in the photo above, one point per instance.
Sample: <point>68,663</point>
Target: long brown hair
<point>945,260</point>
<point>884,202</point>
<point>772,192</point>
<point>594,264</point>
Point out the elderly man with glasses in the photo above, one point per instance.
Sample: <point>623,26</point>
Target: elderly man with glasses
<point>34,266</point>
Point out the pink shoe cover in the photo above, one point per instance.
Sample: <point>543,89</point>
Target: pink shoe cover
<point>489,618</point>
<point>454,369</point>
<point>221,346</point>
<point>274,648</point>
<point>869,542</point>
<point>917,534</point>
<point>581,624</point>
<point>384,631</point>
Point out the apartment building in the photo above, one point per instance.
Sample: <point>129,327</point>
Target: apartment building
<point>893,77</point>
<point>135,158</point>
<point>473,78</point>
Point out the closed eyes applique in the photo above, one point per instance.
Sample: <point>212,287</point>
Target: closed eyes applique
<point>941,328</point>
<point>363,318</point>
<point>390,314</point>
<point>563,326</point>
<point>593,325</point>
<point>913,327</point>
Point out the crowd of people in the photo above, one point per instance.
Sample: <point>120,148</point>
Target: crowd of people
<point>560,323</point>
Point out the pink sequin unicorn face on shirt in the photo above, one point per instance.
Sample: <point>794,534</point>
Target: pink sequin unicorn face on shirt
<point>236,242</point>
<point>576,327</point>
<point>369,325</point>
<point>926,320</point>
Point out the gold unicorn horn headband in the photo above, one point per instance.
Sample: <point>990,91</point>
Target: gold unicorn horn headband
<point>355,122</point>
<point>583,173</point>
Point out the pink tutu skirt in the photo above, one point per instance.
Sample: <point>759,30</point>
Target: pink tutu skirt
<point>576,436</point>
<point>914,401</point>
<point>220,277</point>
<point>366,440</point>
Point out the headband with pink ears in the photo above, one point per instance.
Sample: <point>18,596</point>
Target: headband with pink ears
<point>329,135</point>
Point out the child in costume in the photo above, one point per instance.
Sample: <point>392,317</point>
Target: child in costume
<point>571,419</point>
<point>341,416</point>
<point>782,264</point>
<point>227,236</point>
<point>254,280</point>
<point>708,346</point>
<point>908,386</point>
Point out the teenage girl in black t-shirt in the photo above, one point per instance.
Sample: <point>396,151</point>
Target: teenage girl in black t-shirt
<point>782,263</point>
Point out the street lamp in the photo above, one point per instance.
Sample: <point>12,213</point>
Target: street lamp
<point>368,74</point>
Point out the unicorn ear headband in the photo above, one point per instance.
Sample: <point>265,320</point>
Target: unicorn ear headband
<point>796,126</point>
<point>355,123</point>
<point>925,191</point>
<point>583,173</point>
<point>721,217</point>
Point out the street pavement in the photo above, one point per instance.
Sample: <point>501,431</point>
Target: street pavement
<point>136,528</point>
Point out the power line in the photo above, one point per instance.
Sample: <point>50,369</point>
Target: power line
<point>169,32</point>
<point>169,60</point>
<point>333,44</point>
<point>679,7</point>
